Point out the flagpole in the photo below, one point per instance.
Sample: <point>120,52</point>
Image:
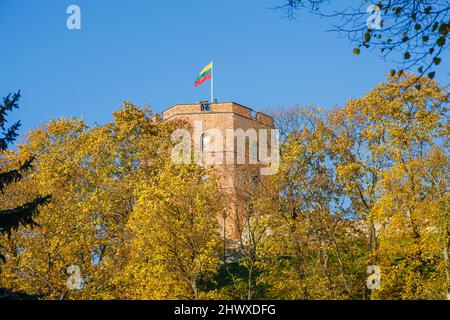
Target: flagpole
<point>212,82</point>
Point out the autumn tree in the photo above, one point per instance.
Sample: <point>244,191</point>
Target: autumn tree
<point>118,199</point>
<point>176,242</point>
<point>390,149</point>
<point>312,249</point>
<point>91,174</point>
<point>242,253</point>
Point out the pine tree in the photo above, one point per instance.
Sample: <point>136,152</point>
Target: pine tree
<point>11,219</point>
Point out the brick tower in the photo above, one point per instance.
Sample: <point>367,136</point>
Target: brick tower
<point>234,177</point>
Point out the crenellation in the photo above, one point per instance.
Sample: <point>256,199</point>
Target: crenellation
<point>218,108</point>
<point>265,119</point>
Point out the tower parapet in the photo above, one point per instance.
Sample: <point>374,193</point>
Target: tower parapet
<point>217,109</point>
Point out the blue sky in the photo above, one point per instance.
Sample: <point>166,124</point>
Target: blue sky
<point>151,51</point>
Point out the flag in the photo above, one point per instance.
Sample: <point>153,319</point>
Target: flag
<point>204,75</point>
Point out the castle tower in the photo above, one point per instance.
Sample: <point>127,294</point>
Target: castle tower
<point>234,176</point>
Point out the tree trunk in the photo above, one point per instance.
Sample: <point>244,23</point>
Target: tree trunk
<point>194,289</point>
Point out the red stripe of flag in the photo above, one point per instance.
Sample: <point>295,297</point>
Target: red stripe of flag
<point>200,81</point>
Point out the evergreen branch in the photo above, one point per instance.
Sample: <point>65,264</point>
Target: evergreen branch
<point>9,136</point>
<point>15,175</point>
<point>11,219</point>
<point>6,294</point>
<point>7,105</point>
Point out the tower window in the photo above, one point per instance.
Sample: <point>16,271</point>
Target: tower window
<point>206,142</point>
<point>253,159</point>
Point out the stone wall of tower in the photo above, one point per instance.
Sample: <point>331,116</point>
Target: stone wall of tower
<point>233,178</point>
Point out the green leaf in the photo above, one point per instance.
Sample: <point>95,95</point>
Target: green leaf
<point>440,42</point>
<point>443,29</point>
<point>437,60</point>
<point>435,26</point>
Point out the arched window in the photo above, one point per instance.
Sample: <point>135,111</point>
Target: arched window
<point>206,142</point>
<point>253,156</point>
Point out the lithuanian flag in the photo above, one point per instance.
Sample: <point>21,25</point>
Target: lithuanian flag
<point>204,75</point>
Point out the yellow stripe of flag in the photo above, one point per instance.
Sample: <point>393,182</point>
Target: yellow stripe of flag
<point>208,67</point>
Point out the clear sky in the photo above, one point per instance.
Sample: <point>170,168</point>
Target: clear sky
<point>151,51</point>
